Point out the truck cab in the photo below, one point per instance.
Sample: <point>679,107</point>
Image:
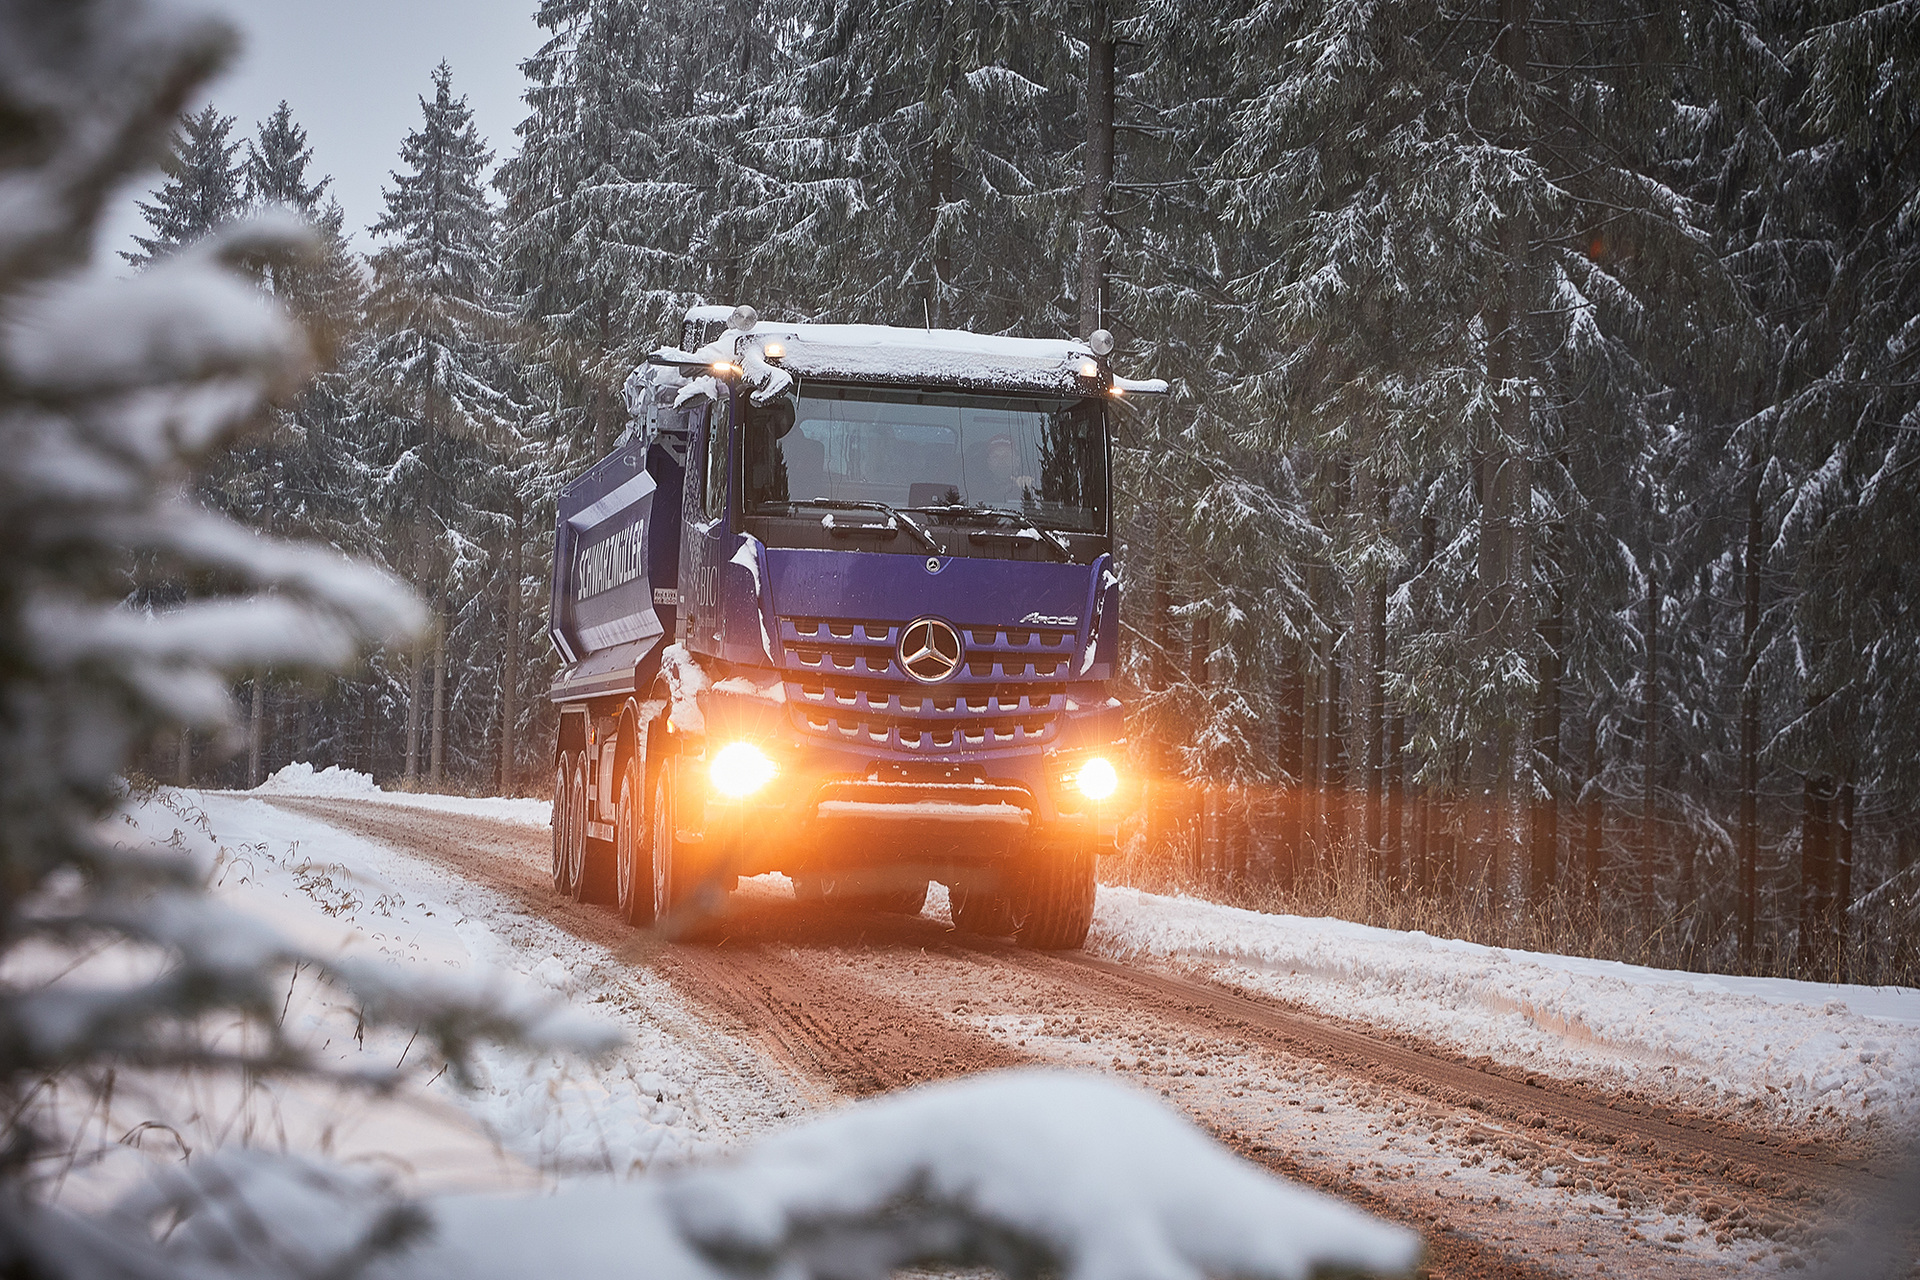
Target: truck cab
<point>842,605</point>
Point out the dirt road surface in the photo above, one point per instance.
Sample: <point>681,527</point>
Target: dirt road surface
<point>1506,1174</point>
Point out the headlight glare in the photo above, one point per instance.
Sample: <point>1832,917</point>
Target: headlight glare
<point>740,769</point>
<point>1097,779</point>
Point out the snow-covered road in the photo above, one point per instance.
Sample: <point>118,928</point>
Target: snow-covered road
<point>791,1015</point>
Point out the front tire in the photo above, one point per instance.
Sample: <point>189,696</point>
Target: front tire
<point>1052,905</point>
<point>667,864</point>
<point>632,863</point>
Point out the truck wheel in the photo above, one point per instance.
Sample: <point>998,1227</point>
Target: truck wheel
<point>978,909</point>
<point>855,893</point>
<point>1053,899</point>
<point>668,863</point>
<point>562,821</point>
<point>574,874</point>
<point>632,868</point>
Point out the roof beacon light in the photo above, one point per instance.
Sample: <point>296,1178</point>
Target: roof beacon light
<point>1088,369</point>
<point>1100,342</point>
<point>743,319</point>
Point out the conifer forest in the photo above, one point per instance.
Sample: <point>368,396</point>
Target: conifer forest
<point>1527,551</point>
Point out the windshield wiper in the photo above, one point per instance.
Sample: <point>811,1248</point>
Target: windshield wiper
<point>844,504</point>
<point>1046,535</point>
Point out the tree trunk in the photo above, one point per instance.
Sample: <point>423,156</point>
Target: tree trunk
<point>1376,722</point>
<point>1291,762</point>
<point>939,178</point>
<point>437,752</point>
<point>1544,854</point>
<point>183,760</point>
<point>1749,834</point>
<point>1843,884</point>
<point>1395,862</point>
<point>416,660</point>
<point>1502,626</point>
<point>510,678</point>
<point>1099,165</point>
<point>1594,836</point>
<point>256,728</point>
<point>1816,877</point>
<point>1649,751</point>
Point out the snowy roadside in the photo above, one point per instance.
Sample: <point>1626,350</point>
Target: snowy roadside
<point>1780,1050</point>
<point>1787,1051</point>
<point>677,1089</point>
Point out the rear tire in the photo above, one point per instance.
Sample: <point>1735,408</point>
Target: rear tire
<point>562,819</point>
<point>632,865</point>
<point>574,874</point>
<point>1052,904</point>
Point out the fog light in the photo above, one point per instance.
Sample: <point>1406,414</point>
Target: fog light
<point>1097,779</point>
<point>740,769</point>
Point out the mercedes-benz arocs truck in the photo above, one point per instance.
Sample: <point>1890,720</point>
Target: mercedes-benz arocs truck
<point>842,605</point>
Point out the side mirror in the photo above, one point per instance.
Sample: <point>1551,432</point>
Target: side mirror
<point>776,417</point>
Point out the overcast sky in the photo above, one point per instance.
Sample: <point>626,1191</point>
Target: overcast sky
<point>353,72</point>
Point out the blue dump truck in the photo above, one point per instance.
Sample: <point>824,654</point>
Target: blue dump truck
<point>842,605</point>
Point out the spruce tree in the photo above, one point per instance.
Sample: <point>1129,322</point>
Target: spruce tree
<point>441,422</point>
<point>202,190</point>
<point>276,168</point>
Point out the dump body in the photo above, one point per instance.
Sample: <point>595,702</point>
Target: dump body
<point>843,606</point>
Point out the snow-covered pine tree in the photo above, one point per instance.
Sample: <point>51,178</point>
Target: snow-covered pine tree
<point>633,192</point>
<point>1462,294</point>
<point>930,152</point>
<point>108,389</point>
<point>202,190</point>
<point>441,415</point>
<point>276,165</point>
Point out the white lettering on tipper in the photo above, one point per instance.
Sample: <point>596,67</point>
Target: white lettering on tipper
<point>615,562</point>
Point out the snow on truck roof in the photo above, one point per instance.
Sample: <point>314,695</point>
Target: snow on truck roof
<point>771,352</point>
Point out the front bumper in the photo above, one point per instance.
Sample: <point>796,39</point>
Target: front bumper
<point>842,806</point>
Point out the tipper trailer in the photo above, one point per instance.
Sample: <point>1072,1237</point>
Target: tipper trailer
<point>842,605</point>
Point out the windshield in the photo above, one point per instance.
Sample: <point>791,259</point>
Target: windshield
<point>1043,458</point>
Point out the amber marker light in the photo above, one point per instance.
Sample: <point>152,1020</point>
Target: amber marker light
<point>1088,369</point>
<point>1097,779</point>
<point>739,769</point>
<point>722,368</point>
<point>773,351</point>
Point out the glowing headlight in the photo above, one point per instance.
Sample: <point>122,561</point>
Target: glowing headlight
<point>1097,779</point>
<point>740,769</point>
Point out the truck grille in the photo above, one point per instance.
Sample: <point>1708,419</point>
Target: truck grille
<point>844,682</point>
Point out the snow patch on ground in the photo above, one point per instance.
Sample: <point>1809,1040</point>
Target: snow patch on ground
<point>333,782</point>
<point>1793,1050</point>
<point>675,1089</point>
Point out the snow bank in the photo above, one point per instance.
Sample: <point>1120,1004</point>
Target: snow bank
<point>333,782</point>
<point>1795,1048</point>
<point>1015,1169</point>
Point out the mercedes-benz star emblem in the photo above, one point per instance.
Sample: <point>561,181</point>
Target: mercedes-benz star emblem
<point>930,650</point>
